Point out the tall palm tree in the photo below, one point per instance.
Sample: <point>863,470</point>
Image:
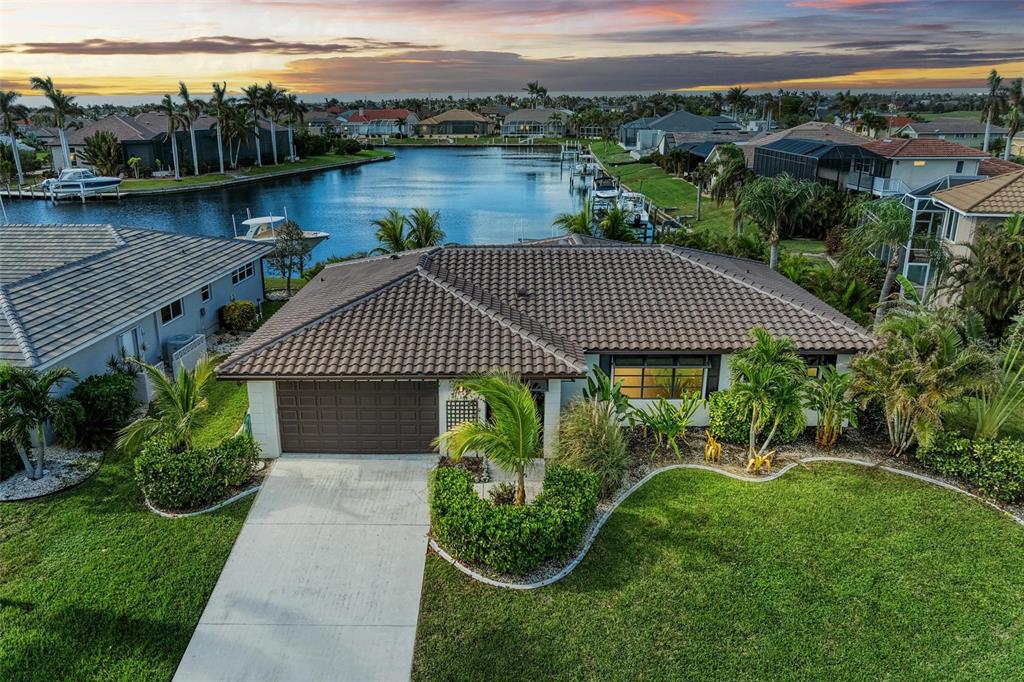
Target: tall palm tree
<point>770,202</point>
<point>236,129</point>
<point>536,91</point>
<point>220,109</point>
<point>576,223</point>
<point>10,113</point>
<point>274,103</point>
<point>30,406</point>
<point>424,228</point>
<point>176,408</point>
<point>253,98</point>
<point>190,109</point>
<point>511,435</point>
<point>174,122</point>
<point>615,225</point>
<point>1014,113</point>
<point>61,108</point>
<point>737,99</point>
<point>295,112</point>
<point>391,233</point>
<point>993,105</point>
<point>884,225</point>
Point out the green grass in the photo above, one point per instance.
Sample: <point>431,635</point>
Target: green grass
<point>93,586</point>
<point>805,246</point>
<point>275,283</point>
<point>482,141</point>
<point>131,185</point>
<point>832,572</point>
<point>931,116</point>
<point>229,401</point>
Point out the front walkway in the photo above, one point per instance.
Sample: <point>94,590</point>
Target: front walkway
<point>324,580</point>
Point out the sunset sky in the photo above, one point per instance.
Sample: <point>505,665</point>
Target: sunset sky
<point>315,47</point>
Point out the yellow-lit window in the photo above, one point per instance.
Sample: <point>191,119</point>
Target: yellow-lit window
<point>920,163</point>
<point>653,377</point>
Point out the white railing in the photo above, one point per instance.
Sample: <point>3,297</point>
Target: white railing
<point>882,187</point>
<point>188,355</point>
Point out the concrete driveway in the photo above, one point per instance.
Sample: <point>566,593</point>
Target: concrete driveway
<point>323,582</point>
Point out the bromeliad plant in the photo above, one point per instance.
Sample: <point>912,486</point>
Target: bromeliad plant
<point>668,422</point>
<point>831,397</point>
<point>510,438</point>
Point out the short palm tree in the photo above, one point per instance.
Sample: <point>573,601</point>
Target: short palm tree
<point>391,233</point>
<point>993,105</point>
<point>191,109</point>
<point>424,228</point>
<point>576,223</point>
<point>29,407</point>
<point>510,437</point>
<point>616,225</point>
<point>10,113</point>
<point>174,123</point>
<point>175,410</point>
<point>770,202</point>
<point>830,395</point>
<point>61,108</point>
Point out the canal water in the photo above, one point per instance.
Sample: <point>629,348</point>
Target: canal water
<point>484,195</point>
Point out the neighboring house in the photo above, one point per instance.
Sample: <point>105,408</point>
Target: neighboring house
<point>973,204</point>
<point>628,131</point>
<point>537,123</point>
<point>1017,145</point>
<point>456,123</point>
<point>377,122</point>
<point>812,130</point>
<point>650,134</point>
<point>715,137</point>
<point>911,163</point>
<point>967,131</point>
<point>367,357</point>
<point>136,140</point>
<point>77,295</point>
<point>892,125</point>
<point>496,113</point>
<point>825,162</point>
<point>321,122</point>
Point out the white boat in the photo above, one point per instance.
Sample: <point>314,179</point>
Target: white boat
<point>79,182</point>
<point>265,229</point>
<point>604,188</point>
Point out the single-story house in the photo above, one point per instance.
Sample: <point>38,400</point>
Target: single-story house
<point>321,122</point>
<point>826,162</point>
<point>628,131</point>
<point>968,131</point>
<point>456,123</point>
<point>911,163</point>
<point>495,112</point>
<point>367,357</point>
<point>377,122</point>
<point>536,122</point>
<point>77,295</point>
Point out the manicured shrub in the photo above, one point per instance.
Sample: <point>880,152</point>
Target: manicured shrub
<point>589,438</point>
<point>347,147</point>
<point>108,402</point>
<point>995,467</point>
<point>193,478</point>
<point>730,423</point>
<point>238,316</point>
<point>508,538</point>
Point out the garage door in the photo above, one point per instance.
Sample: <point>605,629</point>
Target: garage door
<point>357,417</point>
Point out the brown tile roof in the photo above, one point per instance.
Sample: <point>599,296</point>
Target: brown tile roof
<point>125,128</point>
<point>532,308</point>
<point>1003,194</point>
<point>923,148</point>
<point>993,167</point>
<point>812,130</point>
<point>455,115</point>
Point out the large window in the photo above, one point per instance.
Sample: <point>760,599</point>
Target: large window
<point>661,376</point>
<point>171,311</point>
<point>952,225</point>
<point>243,273</point>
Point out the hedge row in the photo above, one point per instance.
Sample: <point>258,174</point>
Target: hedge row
<point>108,402</point>
<point>506,538</point>
<point>197,477</point>
<point>995,467</point>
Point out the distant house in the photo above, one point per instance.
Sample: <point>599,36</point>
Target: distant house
<point>536,123</point>
<point>966,131</point>
<point>822,161</point>
<point>650,132</point>
<point>456,123</point>
<point>892,125</point>
<point>628,131</point>
<point>812,130</point>
<point>77,295</point>
<point>908,164</point>
<point>1017,145</point>
<point>377,122</point>
<point>321,122</point>
<point>973,204</point>
<point>495,112</point>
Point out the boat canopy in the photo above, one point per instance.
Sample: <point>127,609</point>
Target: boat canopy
<point>263,220</point>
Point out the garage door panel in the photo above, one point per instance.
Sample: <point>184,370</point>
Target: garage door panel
<point>357,417</point>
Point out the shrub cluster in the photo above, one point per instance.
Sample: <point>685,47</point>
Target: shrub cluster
<point>589,438</point>
<point>238,316</point>
<point>506,538</point>
<point>183,480</point>
<point>729,422</point>
<point>347,147</point>
<point>108,402</point>
<point>995,467</point>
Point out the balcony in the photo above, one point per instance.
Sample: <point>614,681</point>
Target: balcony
<point>881,187</point>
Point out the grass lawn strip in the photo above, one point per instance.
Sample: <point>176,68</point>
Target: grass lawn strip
<point>831,571</point>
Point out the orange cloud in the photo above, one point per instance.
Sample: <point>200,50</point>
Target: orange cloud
<point>660,12</point>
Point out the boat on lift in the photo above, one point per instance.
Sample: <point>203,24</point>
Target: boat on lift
<point>266,229</point>
<point>605,188</point>
<point>79,182</point>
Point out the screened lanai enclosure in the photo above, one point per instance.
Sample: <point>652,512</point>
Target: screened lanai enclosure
<point>826,162</point>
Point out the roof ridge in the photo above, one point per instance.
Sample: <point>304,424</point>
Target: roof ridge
<point>383,256</point>
<point>499,311</point>
<point>677,251</point>
<point>17,328</point>
<point>998,183</point>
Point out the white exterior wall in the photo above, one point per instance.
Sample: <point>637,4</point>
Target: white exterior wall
<point>263,416</point>
<point>552,413</point>
<point>933,169</point>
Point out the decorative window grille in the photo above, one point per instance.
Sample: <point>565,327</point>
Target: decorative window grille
<point>459,411</point>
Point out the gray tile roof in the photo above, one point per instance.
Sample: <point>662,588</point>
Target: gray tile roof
<point>66,286</point>
<point>533,308</point>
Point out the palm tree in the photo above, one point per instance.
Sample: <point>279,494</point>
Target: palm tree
<point>102,151</point>
<point>27,400</point>
<point>1014,113</point>
<point>770,201</point>
<point>615,225</point>
<point>10,114</point>
<point>424,228</point>
<point>737,99</point>
<point>253,98</point>
<point>730,174</point>
<point>576,223</point>
<point>190,109</point>
<point>168,108</point>
<point>511,435</point>
<point>176,408</point>
<point>295,112</point>
<point>391,233</point>
<point>992,106</point>
<point>61,108</point>
<point>536,91</point>
<point>220,109</point>
<point>884,226</point>
<point>236,128</point>
<point>830,396</point>
<point>274,103</point>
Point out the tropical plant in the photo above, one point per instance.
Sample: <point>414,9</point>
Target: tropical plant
<point>290,253</point>
<point>1014,113</point>
<point>922,364</point>
<point>102,151</point>
<point>589,438</point>
<point>133,163</point>
<point>770,202</point>
<point>236,129</point>
<point>668,421</point>
<point>294,112</point>
<point>1003,399</point>
<point>730,175</point>
<point>767,379</point>
<point>737,99</point>
<point>601,388</point>
<point>61,107</point>
<point>510,437</point>
<point>884,226</point>
<point>274,104</point>
<point>830,395</point>
<point>993,105</point>
<point>10,114</point>
<point>536,92</point>
<point>29,407</point>
<point>220,109</point>
<point>576,223</point>
<point>616,225</point>
<point>174,122</point>
<point>191,109</point>
<point>391,233</point>
<point>176,409</point>
<point>712,449</point>
<point>254,98</point>
<point>424,228</point>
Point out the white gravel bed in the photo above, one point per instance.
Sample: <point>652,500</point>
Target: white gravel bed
<point>63,468</point>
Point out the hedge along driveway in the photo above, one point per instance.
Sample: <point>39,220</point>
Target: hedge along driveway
<point>831,571</point>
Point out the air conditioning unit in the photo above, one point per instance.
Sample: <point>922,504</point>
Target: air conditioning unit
<point>172,344</point>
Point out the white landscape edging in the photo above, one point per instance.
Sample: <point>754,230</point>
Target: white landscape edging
<point>222,503</point>
<point>595,529</point>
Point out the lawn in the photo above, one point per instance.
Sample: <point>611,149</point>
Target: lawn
<point>832,572</point>
<point>482,140</point>
<point>931,116</point>
<point>805,246</point>
<point>229,401</point>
